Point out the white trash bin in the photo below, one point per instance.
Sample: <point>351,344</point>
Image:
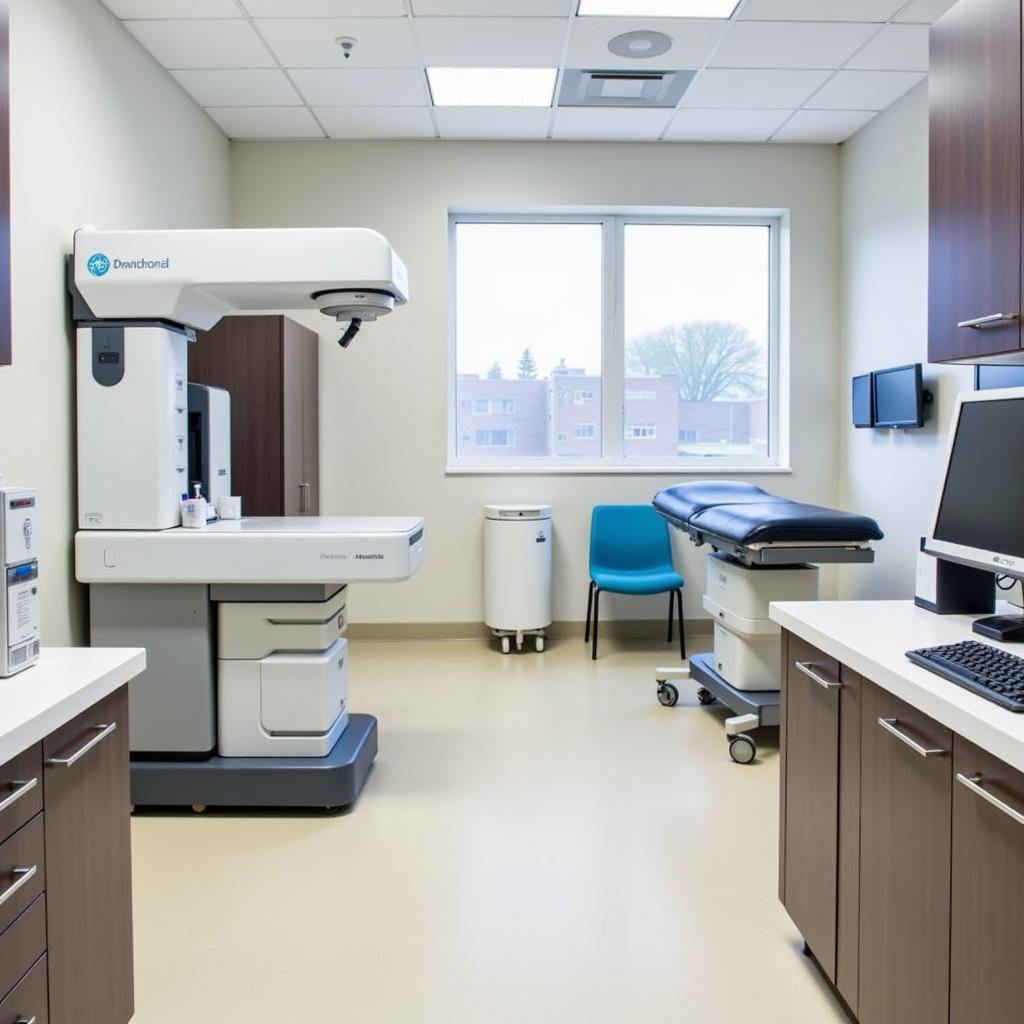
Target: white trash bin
<point>517,573</point>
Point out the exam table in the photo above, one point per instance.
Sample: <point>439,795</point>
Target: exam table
<point>763,548</point>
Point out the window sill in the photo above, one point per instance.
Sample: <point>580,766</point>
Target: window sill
<point>718,470</point>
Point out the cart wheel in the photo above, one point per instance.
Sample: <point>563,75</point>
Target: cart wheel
<point>506,645</point>
<point>668,695</point>
<point>519,643</point>
<point>538,642</point>
<point>705,696</point>
<point>742,748</point>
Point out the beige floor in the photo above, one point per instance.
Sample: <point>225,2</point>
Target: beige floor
<point>539,842</point>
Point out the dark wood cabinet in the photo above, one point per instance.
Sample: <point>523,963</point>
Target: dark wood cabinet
<point>987,925</point>
<point>975,164</point>
<point>270,367</point>
<point>88,867</point>
<point>906,813</point>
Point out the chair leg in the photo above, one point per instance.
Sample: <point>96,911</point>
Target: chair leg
<point>590,605</point>
<point>597,601</point>
<point>682,627</point>
<point>671,601</point>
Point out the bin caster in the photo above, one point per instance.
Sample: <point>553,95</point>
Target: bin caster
<point>705,696</point>
<point>506,645</point>
<point>538,642</point>
<point>742,748</point>
<point>668,695</point>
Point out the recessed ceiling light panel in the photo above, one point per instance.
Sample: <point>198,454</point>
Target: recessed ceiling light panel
<point>657,8</point>
<point>492,87</point>
<point>638,45</point>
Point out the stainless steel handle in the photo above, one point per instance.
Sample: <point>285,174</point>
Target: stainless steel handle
<point>23,788</point>
<point>304,502</point>
<point>21,1020</point>
<point>25,875</point>
<point>102,732</point>
<point>973,783</point>
<point>825,684</point>
<point>981,322</point>
<point>889,725</point>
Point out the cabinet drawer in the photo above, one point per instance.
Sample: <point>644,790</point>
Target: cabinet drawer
<point>22,871</point>
<point>807,663</point>
<point>22,945</point>
<point>21,790</point>
<point>28,1004</point>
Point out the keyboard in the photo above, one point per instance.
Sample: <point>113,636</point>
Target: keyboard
<point>987,671</point>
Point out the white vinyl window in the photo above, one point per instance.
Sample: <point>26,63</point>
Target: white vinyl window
<point>557,315</point>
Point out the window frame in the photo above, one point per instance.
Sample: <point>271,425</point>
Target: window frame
<point>612,405</point>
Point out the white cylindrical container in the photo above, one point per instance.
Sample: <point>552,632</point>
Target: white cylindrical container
<point>517,571</point>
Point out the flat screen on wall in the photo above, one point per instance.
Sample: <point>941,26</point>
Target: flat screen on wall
<point>863,402</point>
<point>991,378</point>
<point>899,397</point>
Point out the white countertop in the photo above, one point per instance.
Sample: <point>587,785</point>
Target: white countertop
<point>62,684</point>
<point>872,637</point>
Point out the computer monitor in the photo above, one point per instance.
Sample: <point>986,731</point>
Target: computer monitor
<point>1005,376</point>
<point>979,520</point>
<point>899,396</point>
<point>863,402</point>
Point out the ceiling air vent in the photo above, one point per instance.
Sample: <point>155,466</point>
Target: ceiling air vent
<point>623,88</point>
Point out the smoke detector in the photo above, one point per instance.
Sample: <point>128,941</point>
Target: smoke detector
<point>640,45</point>
<point>346,44</point>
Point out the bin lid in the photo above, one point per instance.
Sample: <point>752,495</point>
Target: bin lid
<point>512,513</point>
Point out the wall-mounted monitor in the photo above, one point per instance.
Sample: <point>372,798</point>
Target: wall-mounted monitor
<point>899,396</point>
<point>991,378</point>
<point>863,401</point>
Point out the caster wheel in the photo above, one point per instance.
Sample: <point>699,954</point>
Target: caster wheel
<point>807,951</point>
<point>705,696</point>
<point>539,644</point>
<point>742,748</point>
<point>519,644</point>
<point>506,645</point>
<point>668,695</point>
<point>199,808</point>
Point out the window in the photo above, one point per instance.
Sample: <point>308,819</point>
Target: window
<point>641,431</point>
<point>678,312</point>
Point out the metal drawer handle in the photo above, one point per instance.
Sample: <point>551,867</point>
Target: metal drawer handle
<point>24,876</point>
<point>21,1020</point>
<point>305,505</point>
<point>981,322</point>
<point>889,725</point>
<point>103,731</point>
<point>23,788</point>
<point>973,783</point>
<point>825,684</point>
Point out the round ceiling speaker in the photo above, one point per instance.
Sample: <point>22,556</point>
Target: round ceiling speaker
<point>638,45</point>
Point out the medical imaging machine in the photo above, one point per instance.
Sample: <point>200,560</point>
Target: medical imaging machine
<point>764,548</point>
<point>244,700</point>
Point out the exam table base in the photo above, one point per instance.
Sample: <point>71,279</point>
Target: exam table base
<point>326,782</point>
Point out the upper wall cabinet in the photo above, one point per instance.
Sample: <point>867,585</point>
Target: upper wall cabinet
<point>975,245</point>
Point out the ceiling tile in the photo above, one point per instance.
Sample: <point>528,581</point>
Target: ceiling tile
<point>491,42</point>
<point>895,48</point>
<point>310,42</point>
<point>248,88</point>
<point>864,90</point>
<point>792,44</point>
<point>737,87</point>
<point>174,8</point>
<point>376,122</point>
<point>266,122</point>
<point>725,125</point>
<point>822,125</point>
<point>202,44</point>
<point>925,12</point>
<point>325,8</point>
<point>494,8</point>
<point>692,42</point>
<point>820,10</point>
<point>611,124</point>
<point>363,87</point>
<point>493,122</point>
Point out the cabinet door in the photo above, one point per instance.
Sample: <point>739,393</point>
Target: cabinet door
<point>88,858</point>
<point>811,827</point>
<point>987,952</point>
<point>975,179</point>
<point>906,781</point>
<point>301,419</point>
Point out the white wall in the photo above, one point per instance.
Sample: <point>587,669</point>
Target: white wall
<point>383,402</point>
<point>100,134</point>
<point>891,475</point>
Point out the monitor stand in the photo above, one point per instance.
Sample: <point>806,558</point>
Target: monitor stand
<point>1007,628</point>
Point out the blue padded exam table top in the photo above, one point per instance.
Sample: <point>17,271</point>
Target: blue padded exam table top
<point>759,528</point>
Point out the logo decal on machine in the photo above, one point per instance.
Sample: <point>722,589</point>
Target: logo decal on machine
<point>99,264</point>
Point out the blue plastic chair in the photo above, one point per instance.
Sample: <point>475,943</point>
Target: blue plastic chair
<point>630,553</point>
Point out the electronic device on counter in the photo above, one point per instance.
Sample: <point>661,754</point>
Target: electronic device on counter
<point>19,597</point>
<point>863,401</point>
<point>949,588</point>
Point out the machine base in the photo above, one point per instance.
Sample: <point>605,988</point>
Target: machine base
<point>332,781</point>
<point>764,704</point>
